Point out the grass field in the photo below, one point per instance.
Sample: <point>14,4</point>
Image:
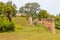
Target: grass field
<point>24,31</point>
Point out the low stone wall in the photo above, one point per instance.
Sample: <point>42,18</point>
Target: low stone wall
<point>49,23</point>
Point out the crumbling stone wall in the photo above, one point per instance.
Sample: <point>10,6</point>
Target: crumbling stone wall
<point>49,23</point>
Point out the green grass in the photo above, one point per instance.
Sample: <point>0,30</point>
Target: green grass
<point>24,31</point>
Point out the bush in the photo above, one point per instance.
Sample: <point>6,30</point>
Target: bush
<point>6,26</point>
<point>10,26</point>
<point>57,22</point>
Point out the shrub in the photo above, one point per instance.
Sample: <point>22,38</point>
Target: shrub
<point>57,22</point>
<point>5,25</point>
<point>10,26</point>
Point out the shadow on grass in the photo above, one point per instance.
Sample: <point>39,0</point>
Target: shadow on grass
<point>57,28</point>
<point>9,31</point>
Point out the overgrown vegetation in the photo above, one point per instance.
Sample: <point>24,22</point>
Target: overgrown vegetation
<point>44,14</point>
<point>23,24</point>
<point>57,22</point>
<point>5,25</point>
<point>7,10</point>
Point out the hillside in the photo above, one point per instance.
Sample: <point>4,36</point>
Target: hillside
<point>24,31</point>
<point>22,23</point>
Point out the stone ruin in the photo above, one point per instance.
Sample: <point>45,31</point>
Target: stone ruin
<point>49,24</point>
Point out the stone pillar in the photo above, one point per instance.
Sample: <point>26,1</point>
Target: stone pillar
<point>30,20</point>
<point>52,26</point>
<point>49,23</point>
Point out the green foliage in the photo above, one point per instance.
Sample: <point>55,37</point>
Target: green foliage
<point>30,9</point>
<point>2,5</point>
<point>57,22</point>
<point>10,26</point>
<point>6,26</point>
<point>44,14</point>
<point>22,9</point>
<point>8,9</point>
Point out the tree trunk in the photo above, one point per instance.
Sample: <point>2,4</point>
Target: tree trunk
<point>30,20</point>
<point>9,18</point>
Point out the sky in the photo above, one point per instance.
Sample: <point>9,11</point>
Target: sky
<point>52,6</point>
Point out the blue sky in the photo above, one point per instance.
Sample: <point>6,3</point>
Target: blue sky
<point>52,6</point>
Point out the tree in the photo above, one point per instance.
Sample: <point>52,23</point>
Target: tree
<point>44,14</point>
<point>10,10</point>
<point>6,9</point>
<point>2,5</point>
<point>36,7</point>
<point>9,2</point>
<point>22,9</point>
<point>31,9</point>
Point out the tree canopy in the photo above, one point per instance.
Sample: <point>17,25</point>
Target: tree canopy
<point>7,9</point>
<point>30,8</point>
<point>44,14</point>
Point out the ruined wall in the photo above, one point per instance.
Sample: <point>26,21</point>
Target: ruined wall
<point>49,23</point>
